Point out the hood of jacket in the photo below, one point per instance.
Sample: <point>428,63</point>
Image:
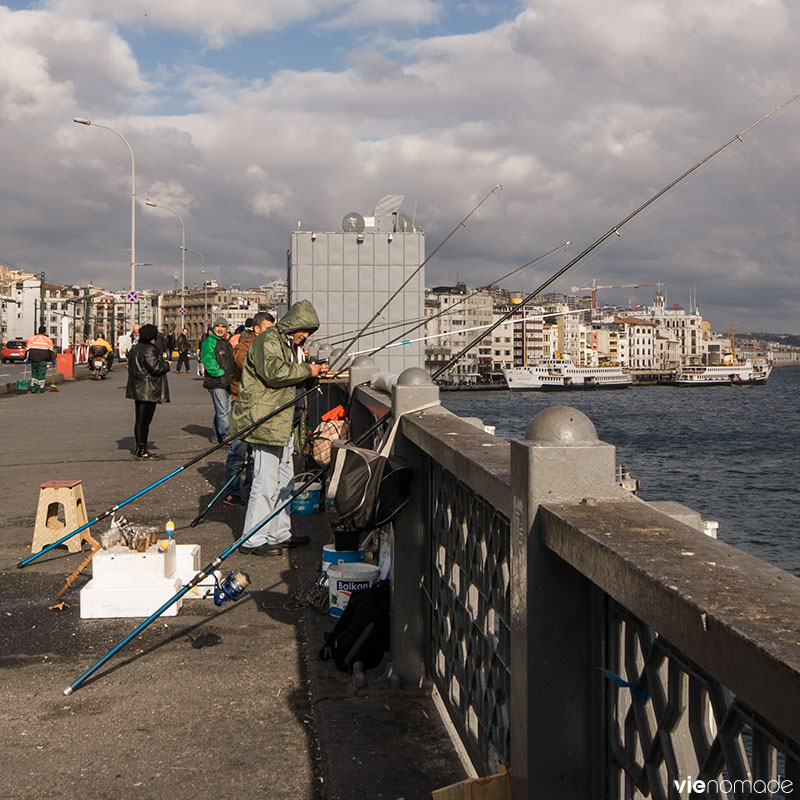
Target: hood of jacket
<point>300,317</point>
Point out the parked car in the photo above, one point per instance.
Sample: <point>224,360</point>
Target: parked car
<point>14,351</point>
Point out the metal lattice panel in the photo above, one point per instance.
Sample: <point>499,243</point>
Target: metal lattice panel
<point>675,721</point>
<point>470,591</point>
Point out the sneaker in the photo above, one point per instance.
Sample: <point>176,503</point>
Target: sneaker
<point>268,549</point>
<point>232,500</point>
<point>145,456</point>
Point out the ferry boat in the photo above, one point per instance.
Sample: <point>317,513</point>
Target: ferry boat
<point>746,374</point>
<point>559,374</point>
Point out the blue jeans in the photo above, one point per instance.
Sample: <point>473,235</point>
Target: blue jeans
<point>222,412</point>
<point>273,471</point>
<point>237,455</point>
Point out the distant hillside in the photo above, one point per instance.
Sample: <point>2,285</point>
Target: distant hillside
<point>783,338</point>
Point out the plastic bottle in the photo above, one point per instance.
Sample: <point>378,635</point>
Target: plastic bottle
<point>170,528</point>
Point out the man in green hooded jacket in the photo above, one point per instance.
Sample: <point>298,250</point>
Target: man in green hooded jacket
<point>274,373</point>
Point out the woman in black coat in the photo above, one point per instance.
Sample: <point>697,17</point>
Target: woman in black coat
<point>147,385</point>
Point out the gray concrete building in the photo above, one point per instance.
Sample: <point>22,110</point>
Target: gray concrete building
<point>351,274</point>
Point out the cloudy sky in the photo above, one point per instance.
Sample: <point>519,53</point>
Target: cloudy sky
<point>246,117</point>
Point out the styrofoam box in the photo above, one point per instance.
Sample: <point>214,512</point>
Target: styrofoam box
<point>120,566</point>
<point>102,602</point>
<point>187,565</point>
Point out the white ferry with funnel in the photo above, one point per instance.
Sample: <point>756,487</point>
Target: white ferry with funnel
<point>560,374</point>
<point>746,374</point>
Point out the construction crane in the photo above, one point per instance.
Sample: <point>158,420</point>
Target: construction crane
<point>594,287</point>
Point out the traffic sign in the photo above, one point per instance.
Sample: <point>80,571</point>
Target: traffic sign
<point>182,311</point>
<point>133,297</point>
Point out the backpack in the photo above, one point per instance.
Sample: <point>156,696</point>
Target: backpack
<point>369,487</point>
<point>362,633</point>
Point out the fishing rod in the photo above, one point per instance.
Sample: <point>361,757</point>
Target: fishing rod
<point>234,591</point>
<point>200,457</point>
<point>540,315</point>
<point>452,308</point>
<point>220,493</point>
<point>405,283</point>
<point>420,321</point>
<point>611,232</point>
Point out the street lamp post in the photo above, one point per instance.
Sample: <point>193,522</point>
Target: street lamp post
<point>205,289</point>
<point>82,121</point>
<point>152,204</point>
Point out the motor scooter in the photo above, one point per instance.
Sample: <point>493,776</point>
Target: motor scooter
<point>98,363</point>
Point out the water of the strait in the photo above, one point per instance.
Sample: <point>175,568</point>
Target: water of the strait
<point>731,453</point>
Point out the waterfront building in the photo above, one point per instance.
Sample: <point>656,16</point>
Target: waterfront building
<point>612,343</point>
<point>452,314</point>
<point>641,338</point>
<point>678,325</point>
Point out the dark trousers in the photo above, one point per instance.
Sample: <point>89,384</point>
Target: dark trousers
<point>144,416</point>
<point>183,358</point>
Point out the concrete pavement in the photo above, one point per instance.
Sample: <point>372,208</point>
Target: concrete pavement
<point>226,702</point>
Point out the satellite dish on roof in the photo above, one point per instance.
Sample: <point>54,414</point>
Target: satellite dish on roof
<point>404,224</point>
<point>353,222</point>
<point>388,204</point>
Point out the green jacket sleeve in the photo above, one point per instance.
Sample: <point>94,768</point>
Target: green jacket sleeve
<point>208,355</point>
<point>269,358</point>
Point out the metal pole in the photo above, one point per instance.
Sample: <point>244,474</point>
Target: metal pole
<point>82,121</point>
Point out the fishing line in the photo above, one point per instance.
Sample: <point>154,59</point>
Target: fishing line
<point>612,232</point>
<point>398,341</point>
<point>452,308</point>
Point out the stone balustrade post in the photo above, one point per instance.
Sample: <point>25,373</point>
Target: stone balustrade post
<point>362,370</point>
<point>410,543</point>
<point>554,676</point>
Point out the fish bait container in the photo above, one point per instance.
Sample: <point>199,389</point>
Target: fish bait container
<point>344,579</point>
<point>307,502</point>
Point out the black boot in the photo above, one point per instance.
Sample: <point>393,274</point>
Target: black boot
<point>142,454</point>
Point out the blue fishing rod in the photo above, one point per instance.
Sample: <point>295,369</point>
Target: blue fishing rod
<point>200,457</point>
<point>231,588</point>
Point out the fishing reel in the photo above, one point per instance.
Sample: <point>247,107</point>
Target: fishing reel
<point>230,588</point>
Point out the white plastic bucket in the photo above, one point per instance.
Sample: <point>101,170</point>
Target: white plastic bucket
<point>344,579</point>
<point>330,555</point>
<point>307,502</point>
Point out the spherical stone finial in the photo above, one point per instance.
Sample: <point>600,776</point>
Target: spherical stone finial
<point>563,426</point>
<point>414,376</point>
<point>363,361</point>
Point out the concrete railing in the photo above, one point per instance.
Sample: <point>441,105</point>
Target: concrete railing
<point>598,647</point>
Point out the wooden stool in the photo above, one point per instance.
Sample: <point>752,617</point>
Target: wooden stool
<point>49,528</point>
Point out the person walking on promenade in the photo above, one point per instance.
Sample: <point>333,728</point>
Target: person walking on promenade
<point>239,451</point>
<point>216,355</point>
<point>147,386</point>
<point>170,343</point>
<point>274,373</point>
<point>182,346</point>
<point>39,352</point>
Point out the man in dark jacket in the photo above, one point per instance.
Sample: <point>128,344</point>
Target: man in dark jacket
<point>273,374</point>
<point>147,385</point>
<point>217,357</point>
<point>182,346</point>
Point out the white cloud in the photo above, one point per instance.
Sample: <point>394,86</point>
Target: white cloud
<point>581,111</point>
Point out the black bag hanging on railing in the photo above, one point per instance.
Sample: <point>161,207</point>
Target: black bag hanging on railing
<point>369,487</point>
